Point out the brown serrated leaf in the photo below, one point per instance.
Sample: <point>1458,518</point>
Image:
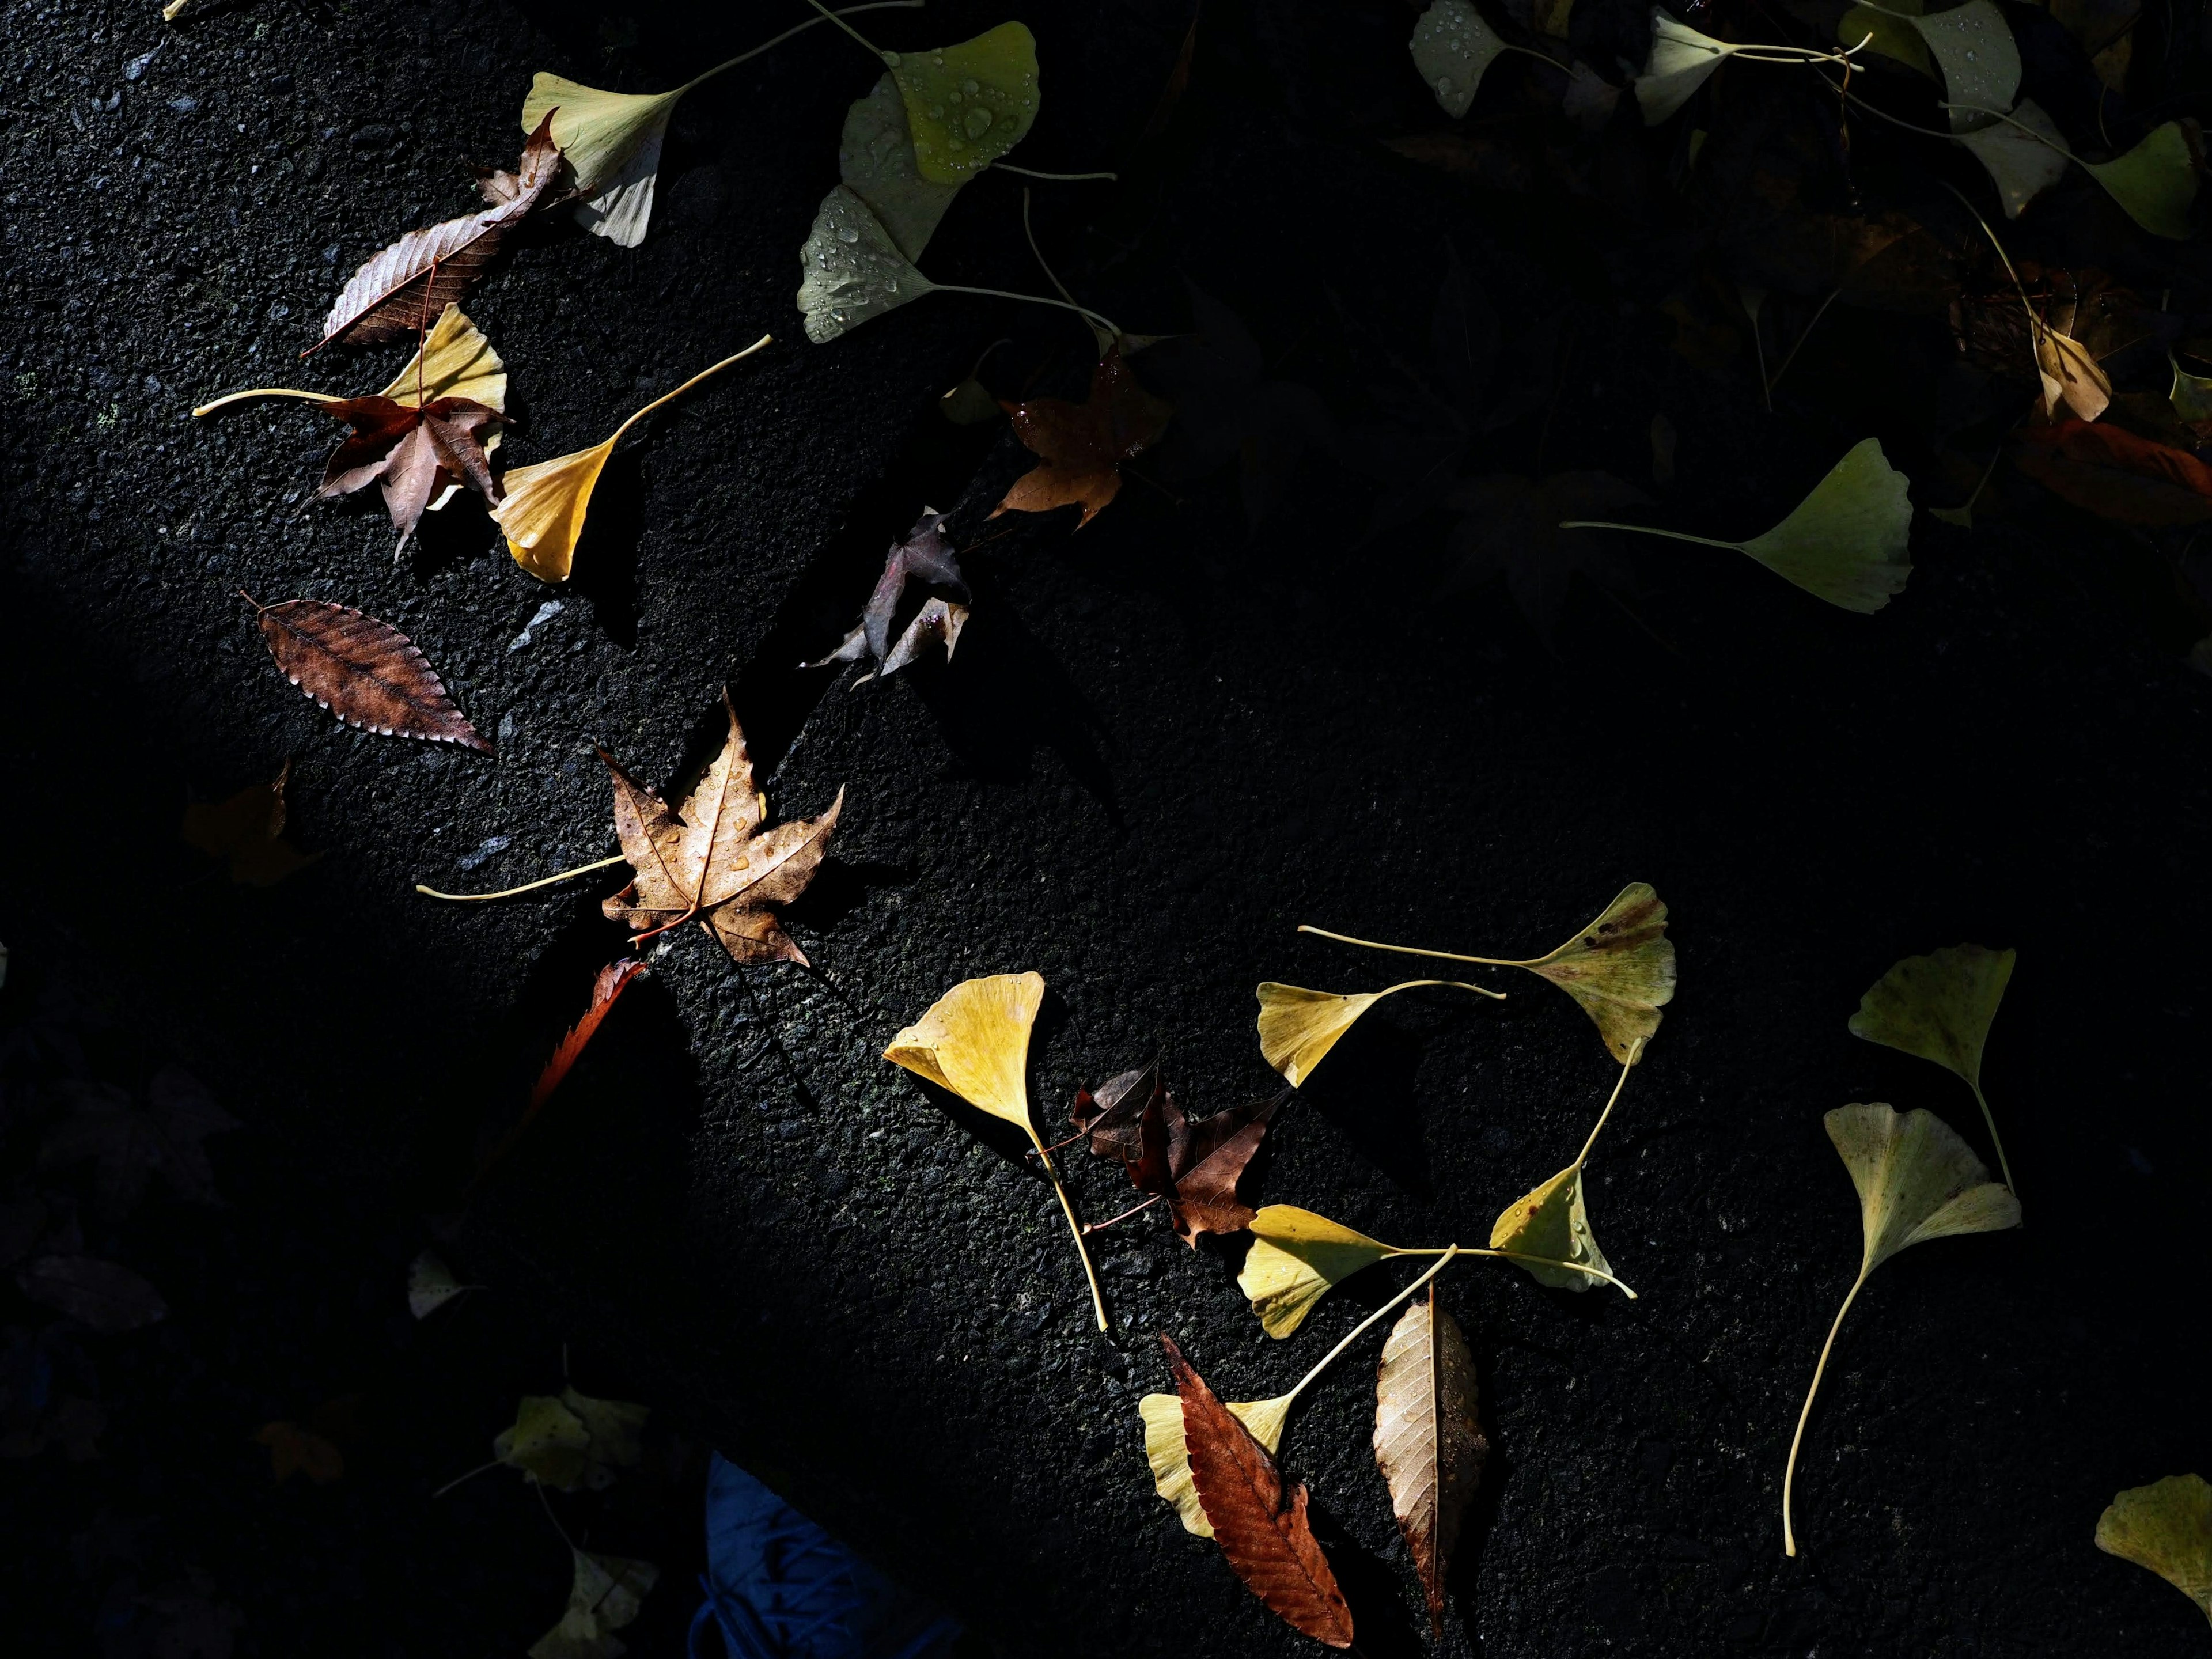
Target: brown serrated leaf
<point>102,1295</point>
<point>416,453</point>
<point>365,672</point>
<point>2115,474</point>
<point>249,830</point>
<point>1082,446</point>
<point>426,269</point>
<point>613,980</point>
<point>1426,1440</point>
<point>1266,1539</point>
<point>713,860</point>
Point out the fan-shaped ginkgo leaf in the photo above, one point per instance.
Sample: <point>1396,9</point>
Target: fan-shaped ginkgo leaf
<point>1973,45</point>
<point>2155,183</point>
<point>1681,61</point>
<point>2022,165</point>
<point>608,1591</point>
<point>1295,1257</point>
<point>1915,1181</point>
<point>967,104</point>
<point>1552,1221</point>
<point>611,141</point>
<point>2166,1527</point>
<point>1939,1008</point>
<point>853,269</point>
<point>1298,1027</point>
<point>572,1441</point>
<point>542,514</point>
<point>1452,46</point>
<point>876,161</point>
<point>975,1041</point>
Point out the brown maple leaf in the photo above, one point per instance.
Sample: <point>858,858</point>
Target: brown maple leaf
<point>416,453</point>
<point>1082,446</point>
<point>426,269</point>
<point>713,860</point>
<point>1193,1166</point>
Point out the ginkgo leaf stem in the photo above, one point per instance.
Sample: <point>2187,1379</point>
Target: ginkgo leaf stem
<point>554,1518</point>
<point>2004,1166</point>
<point>1057,178</point>
<point>715,369</point>
<point>2047,143</point>
<point>801,28</point>
<point>1044,264</point>
<point>267,391</point>
<point>1634,1048</point>
<point>847,27</point>
<point>1648,530</point>
<point>527,886</point>
<point>1789,1473</point>
<point>1519,1256</point>
<point>1456,984</point>
<point>1097,1297</point>
<point>458,1479</point>
<point>1104,322</point>
<point>1352,1335</point>
<point>1099,1227</point>
<point>1413,950</point>
<point>1833,294</point>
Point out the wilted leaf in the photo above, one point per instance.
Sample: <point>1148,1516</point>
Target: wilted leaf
<point>541,513</point>
<point>1298,1027</point>
<point>1915,1181</point>
<point>426,271</point>
<point>1082,446</point>
<point>713,860</point>
<point>2070,375</point>
<point>1552,1221</point>
<point>99,1295</point>
<point>851,270</point>
<point>1681,61</point>
<point>572,1441</point>
<point>1297,1258</point>
<point>876,161</point>
<point>2166,1527</point>
<point>975,1041</point>
<point>1194,1164</point>
<point>1939,1007</point>
<point>926,556</point>
<point>294,1450</point>
<point>431,1285</point>
<point>2155,183</point>
<point>416,452</point>
<point>609,1593</point>
<point>967,104</point>
<point>1427,1443</point>
<point>248,830</point>
<point>1452,46</point>
<point>1165,1451</point>
<point>2114,474</point>
<point>1262,1530</point>
<point>2021,165</point>
<point>365,672</point>
<point>612,981</point>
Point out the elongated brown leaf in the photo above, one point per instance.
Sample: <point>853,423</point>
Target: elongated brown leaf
<point>427,270</point>
<point>1426,1441</point>
<point>1266,1539</point>
<point>367,672</point>
<point>101,1295</point>
<point>613,980</point>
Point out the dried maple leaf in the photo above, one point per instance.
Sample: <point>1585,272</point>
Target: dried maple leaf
<point>1082,446</point>
<point>426,269</point>
<point>413,451</point>
<point>249,830</point>
<point>365,672</point>
<point>713,860</point>
<point>1426,1440</point>
<point>1264,1536</point>
<point>926,556</point>
<point>1193,1166</point>
<point>129,1148</point>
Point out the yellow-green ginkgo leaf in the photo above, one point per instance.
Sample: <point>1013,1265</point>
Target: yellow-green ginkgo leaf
<point>1552,1221</point>
<point>548,1443</point>
<point>1681,61</point>
<point>1973,45</point>
<point>1164,1449</point>
<point>1891,32</point>
<point>967,105</point>
<point>875,160</point>
<point>1939,1007</point>
<point>1296,1257</point>
<point>607,1593</point>
<point>851,269</point>
<point>2155,183</point>
<point>454,360</point>
<point>1452,47</point>
<point>612,141</point>
<point>2166,1527</point>
<point>1915,1181</point>
<point>2191,396</point>
<point>2022,164</point>
<point>616,1428</point>
<point>1298,1027</point>
<point>543,506</point>
<point>975,1040</point>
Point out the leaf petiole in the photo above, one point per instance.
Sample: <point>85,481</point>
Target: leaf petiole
<point>1324,1362</point>
<point>1097,1297</point>
<point>840,21</point>
<point>1789,1473</point>
<point>714,368</point>
<point>1648,530</point>
<point>1057,178</point>
<point>267,391</point>
<point>812,22</point>
<point>527,886</point>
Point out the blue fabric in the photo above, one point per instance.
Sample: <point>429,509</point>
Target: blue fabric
<point>778,1586</point>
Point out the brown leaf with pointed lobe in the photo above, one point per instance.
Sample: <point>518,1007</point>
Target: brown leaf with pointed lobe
<point>713,859</point>
<point>2116,475</point>
<point>1193,1165</point>
<point>614,979</point>
<point>365,672</point>
<point>427,270</point>
<point>248,830</point>
<point>1264,1536</point>
<point>1082,446</point>
<point>1427,1441</point>
<point>415,454</point>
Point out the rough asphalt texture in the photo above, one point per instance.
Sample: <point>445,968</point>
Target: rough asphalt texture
<point>1164,743</point>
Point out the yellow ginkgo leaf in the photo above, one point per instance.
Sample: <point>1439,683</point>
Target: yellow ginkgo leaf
<point>1550,1227</point>
<point>975,1041</point>
<point>1298,1027</point>
<point>968,104</point>
<point>542,511</point>
<point>1296,1257</point>
<point>1620,968</point>
<point>1915,1181</point>
<point>548,1443</point>
<point>454,360</point>
<point>1939,1008</point>
<point>2166,1527</point>
<point>1170,1460</point>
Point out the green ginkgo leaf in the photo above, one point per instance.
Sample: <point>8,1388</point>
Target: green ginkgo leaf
<point>612,141</point>
<point>1551,1223</point>
<point>1845,543</point>
<point>967,105</point>
<point>1973,45</point>
<point>2022,164</point>
<point>2191,396</point>
<point>875,160</point>
<point>1915,1181</point>
<point>1891,31</point>
<point>1452,47</point>
<point>1681,61</point>
<point>2155,183</point>
<point>2166,1527</point>
<point>574,1441</point>
<point>854,271</point>
<point>1939,1008</point>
